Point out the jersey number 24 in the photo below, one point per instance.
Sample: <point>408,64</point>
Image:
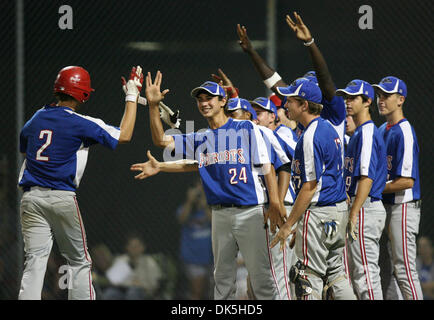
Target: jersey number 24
<point>242,176</point>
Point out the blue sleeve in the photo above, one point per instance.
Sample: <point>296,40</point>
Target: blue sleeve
<point>334,110</point>
<point>96,131</point>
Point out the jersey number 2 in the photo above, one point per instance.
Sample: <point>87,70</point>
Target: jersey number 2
<point>43,133</point>
<point>242,176</point>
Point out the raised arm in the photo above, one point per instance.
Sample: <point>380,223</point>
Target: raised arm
<point>323,75</point>
<point>270,77</point>
<point>154,96</point>
<point>152,167</point>
<point>133,87</point>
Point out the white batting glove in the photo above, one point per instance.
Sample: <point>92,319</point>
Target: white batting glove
<point>134,85</point>
<point>168,116</point>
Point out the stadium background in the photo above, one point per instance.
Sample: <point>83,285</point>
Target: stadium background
<point>187,40</point>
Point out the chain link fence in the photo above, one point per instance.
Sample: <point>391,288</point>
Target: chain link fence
<point>187,40</point>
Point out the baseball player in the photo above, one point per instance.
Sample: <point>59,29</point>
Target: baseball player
<point>401,195</point>
<point>281,161</point>
<point>320,205</point>
<point>365,177</point>
<point>56,143</point>
<point>230,156</point>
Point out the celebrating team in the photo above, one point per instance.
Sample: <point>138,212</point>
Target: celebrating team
<point>277,170</point>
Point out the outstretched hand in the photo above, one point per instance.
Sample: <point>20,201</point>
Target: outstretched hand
<point>148,168</point>
<point>300,29</point>
<point>153,91</point>
<point>244,41</point>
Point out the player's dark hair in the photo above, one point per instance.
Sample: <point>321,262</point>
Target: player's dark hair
<point>371,106</point>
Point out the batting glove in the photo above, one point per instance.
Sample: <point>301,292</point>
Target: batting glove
<point>168,116</point>
<point>133,86</point>
<point>330,227</point>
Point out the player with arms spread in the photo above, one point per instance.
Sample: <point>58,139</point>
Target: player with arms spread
<point>56,142</point>
<point>230,156</point>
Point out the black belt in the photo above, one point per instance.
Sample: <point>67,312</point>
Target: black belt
<point>226,205</point>
<point>287,203</point>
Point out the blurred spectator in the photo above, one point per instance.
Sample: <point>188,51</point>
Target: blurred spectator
<point>102,260</point>
<point>167,286</point>
<point>135,275</point>
<point>195,245</point>
<point>425,267</point>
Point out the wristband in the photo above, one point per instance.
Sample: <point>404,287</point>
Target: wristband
<point>271,81</point>
<point>307,44</point>
<point>131,97</point>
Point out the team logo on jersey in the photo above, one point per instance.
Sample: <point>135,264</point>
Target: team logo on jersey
<point>222,157</point>
<point>349,164</point>
<point>389,162</point>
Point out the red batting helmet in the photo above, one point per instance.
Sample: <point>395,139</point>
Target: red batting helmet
<point>75,82</point>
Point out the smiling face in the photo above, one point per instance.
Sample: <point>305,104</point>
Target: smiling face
<point>209,105</point>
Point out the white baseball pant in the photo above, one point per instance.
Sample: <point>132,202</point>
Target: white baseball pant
<point>242,229</point>
<point>363,253</point>
<point>402,227</point>
<point>46,213</point>
<point>322,254</point>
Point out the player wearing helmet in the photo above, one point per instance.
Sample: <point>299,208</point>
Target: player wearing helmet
<point>55,142</point>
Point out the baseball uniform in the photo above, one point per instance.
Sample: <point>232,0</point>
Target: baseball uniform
<point>366,156</point>
<point>403,208</point>
<point>318,157</point>
<point>56,142</point>
<point>229,162</point>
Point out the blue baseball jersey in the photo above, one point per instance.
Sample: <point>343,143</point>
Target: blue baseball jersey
<point>288,139</point>
<point>366,156</point>
<point>230,161</point>
<point>195,244</point>
<point>56,142</point>
<point>402,159</point>
<point>318,157</point>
